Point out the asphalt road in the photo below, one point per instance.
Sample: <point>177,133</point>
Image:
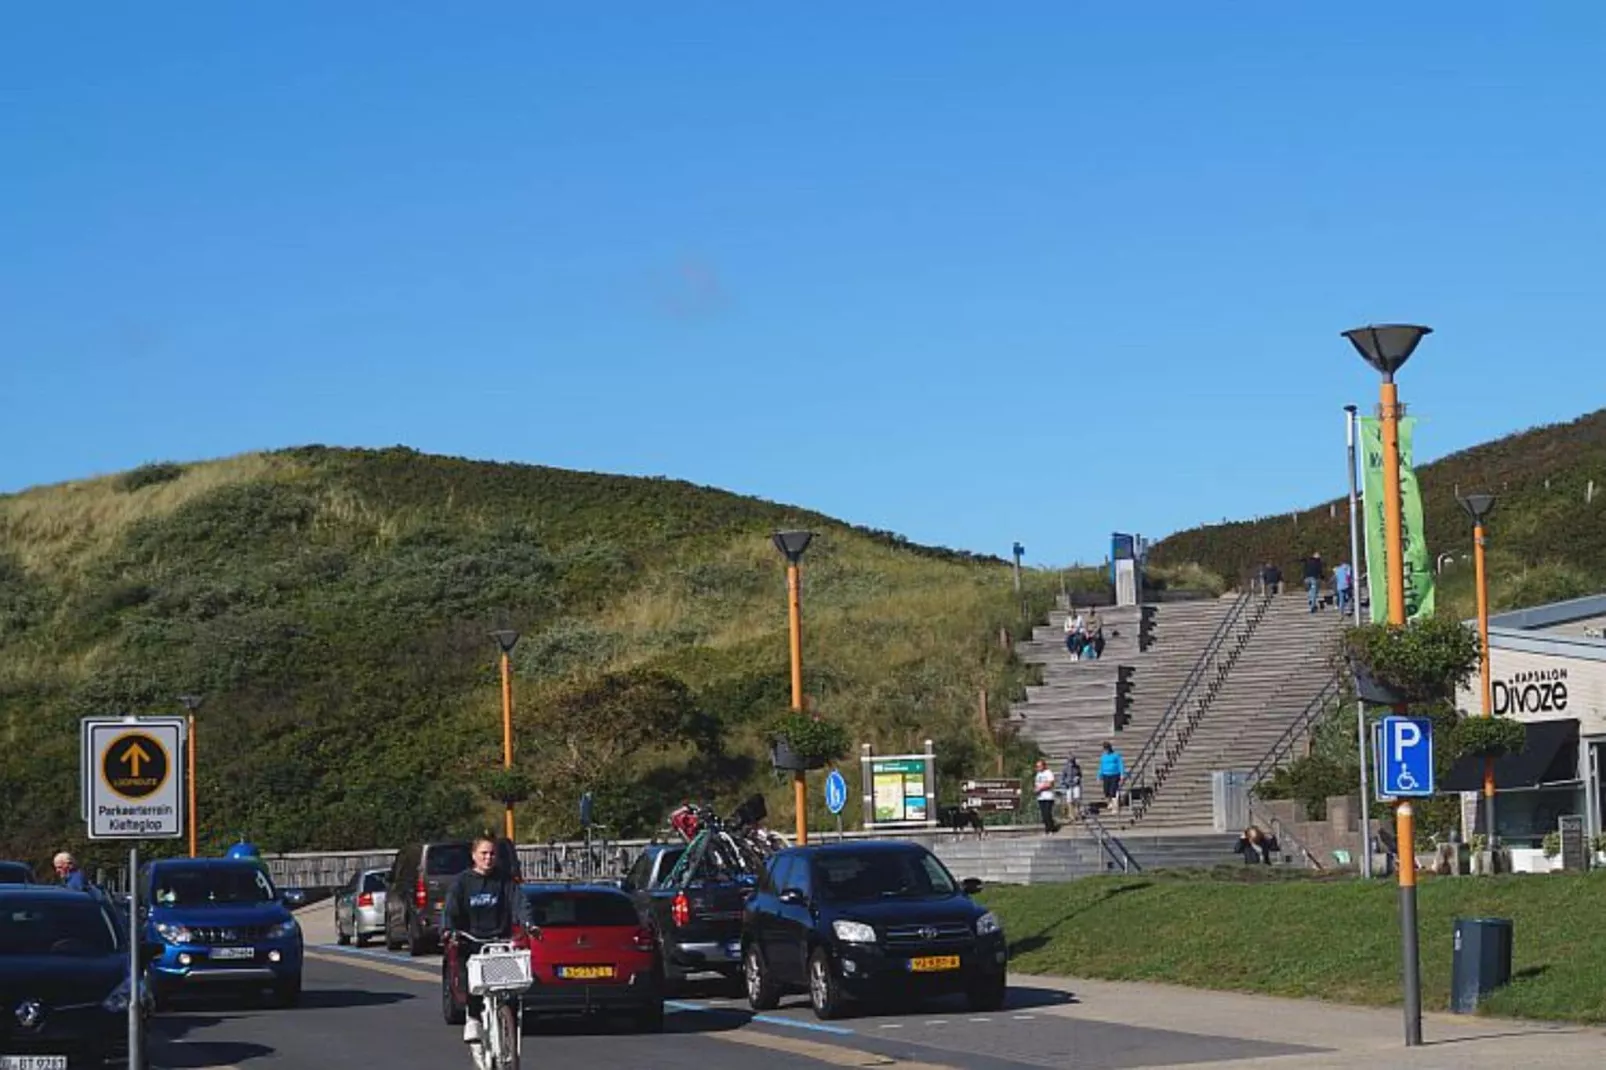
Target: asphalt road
<point>372,1007</point>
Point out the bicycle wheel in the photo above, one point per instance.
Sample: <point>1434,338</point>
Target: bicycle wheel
<point>507,1028</point>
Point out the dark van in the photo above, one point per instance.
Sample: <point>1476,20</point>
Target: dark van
<point>420,875</point>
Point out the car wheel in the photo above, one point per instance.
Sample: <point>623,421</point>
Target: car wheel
<point>650,1019</point>
<point>988,995</point>
<point>451,1012</point>
<point>391,943</point>
<point>762,992</point>
<point>161,995</point>
<point>340,934</point>
<point>415,941</point>
<point>825,992</point>
<point>288,993</point>
<point>358,938</point>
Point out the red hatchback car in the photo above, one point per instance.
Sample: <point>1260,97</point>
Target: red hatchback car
<point>590,955</point>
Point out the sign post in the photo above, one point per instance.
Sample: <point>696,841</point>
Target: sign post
<point>836,797</point>
<point>133,789</point>
<point>1406,773</point>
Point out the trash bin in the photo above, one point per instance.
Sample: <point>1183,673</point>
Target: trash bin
<point>1482,961</point>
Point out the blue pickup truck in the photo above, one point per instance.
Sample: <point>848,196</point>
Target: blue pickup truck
<point>219,924</point>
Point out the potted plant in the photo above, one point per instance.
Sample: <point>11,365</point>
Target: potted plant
<point>1423,661</point>
<point>799,742</point>
<point>1490,737</point>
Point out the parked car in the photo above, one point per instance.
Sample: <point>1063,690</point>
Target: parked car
<point>64,987</point>
<point>221,925</point>
<point>855,921</point>
<point>16,873</point>
<point>589,954</point>
<point>415,893</point>
<point>697,924</point>
<point>360,907</point>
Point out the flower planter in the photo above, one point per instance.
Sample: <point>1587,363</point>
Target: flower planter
<point>784,757</point>
<point>1371,690</point>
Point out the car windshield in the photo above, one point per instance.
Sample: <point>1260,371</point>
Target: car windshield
<point>871,875</point>
<point>64,927</point>
<point>211,886</point>
<point>15,873</point>
<point>556,910</point>
<point>446,859</point>
<point>373,882</point>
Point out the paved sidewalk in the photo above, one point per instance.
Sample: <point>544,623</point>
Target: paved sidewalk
<point>1355,1036</point>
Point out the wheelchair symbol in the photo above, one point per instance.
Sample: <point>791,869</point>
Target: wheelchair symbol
<point>1405,781</point>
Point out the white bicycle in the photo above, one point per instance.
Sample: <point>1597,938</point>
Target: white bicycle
<point>500,974</point>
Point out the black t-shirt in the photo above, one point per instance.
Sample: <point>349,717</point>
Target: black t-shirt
<point>485,907</point>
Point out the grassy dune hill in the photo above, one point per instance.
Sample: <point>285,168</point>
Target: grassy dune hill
<point>332,608</point>
<point>1546,541</point>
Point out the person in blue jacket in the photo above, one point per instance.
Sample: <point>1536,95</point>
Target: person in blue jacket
<point>1112,770</point>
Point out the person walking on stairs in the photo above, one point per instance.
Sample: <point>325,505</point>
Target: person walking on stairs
<point>1112,770</point>
<point>1313,580</point>
<point>1043,785</point>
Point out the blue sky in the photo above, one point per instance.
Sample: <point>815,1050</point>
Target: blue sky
<point>971,272</point>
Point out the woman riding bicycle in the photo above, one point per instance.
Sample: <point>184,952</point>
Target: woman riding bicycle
<point>484,903</point>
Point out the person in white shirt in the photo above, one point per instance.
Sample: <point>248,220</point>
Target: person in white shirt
<point>1043,785</point>
<point>1075,634</point>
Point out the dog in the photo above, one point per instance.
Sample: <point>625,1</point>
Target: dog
<point>957,819</point>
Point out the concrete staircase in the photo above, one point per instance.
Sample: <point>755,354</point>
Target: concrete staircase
<point>1074,710</point>
<point>1283,665</point>
<point>1073,853</point>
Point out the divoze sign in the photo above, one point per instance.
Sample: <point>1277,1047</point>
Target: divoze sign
<point>1531,691</point>
<point>1530,686</point>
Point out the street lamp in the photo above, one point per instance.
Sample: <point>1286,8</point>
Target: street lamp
<point>190,703</point>
<point>507,639</point>
<point>1386,347</point>
<point>1477,508</point>
<point>792,544</point>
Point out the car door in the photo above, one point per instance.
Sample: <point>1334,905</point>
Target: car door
<point>344,923</point>
<point>764,910</point>
<point>795,920</point>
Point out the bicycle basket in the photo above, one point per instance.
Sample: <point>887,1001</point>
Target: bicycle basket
<point>501,969</point>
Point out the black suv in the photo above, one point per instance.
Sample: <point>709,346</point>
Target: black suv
<point>415,892</point>
<point>849,921</point>
<point>64,988</point>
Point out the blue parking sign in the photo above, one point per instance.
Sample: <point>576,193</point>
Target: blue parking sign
<point>1406,763</point>
<point>836,792</point>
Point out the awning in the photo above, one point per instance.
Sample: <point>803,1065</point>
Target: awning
<point>1550,757</point>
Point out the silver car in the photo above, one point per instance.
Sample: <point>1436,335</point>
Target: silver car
<point>360,907</point>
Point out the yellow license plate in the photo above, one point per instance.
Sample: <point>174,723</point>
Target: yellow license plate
<point>934,963</point>
<point>585,973</point>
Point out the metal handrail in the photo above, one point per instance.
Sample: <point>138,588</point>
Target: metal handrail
<point>1196,714</point>
<point>1111,844</point>
<point>1285,742</point>
<point>1173,709</point>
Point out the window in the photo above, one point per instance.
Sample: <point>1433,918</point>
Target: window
<point>66,928</point>
<point>882,875</point>
<point>779,873</point>
<point>373,882</point>
<point>446,859</point>
<point>564,909</point>
<point>211,885</point>
<point>671,858</point>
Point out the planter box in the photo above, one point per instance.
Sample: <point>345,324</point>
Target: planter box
<point>783,757</point>
<point>1370,690</point>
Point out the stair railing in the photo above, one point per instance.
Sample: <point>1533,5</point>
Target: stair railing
<point>1146,756</point>
<point>1274,757</point>
<point>1211,671</point>
<point>1113,848</point>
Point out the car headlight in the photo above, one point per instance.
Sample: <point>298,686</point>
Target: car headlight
<point>988,924</point>
<point>853,932</point>
<point>283,930</point>
<point>175,934</point>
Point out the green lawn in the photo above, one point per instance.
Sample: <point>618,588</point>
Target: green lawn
<point>1336,938</point>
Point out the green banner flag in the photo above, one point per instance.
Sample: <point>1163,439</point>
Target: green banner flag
<point>1419,591</point>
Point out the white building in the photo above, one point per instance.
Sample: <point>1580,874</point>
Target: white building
<point>1548,665</point>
